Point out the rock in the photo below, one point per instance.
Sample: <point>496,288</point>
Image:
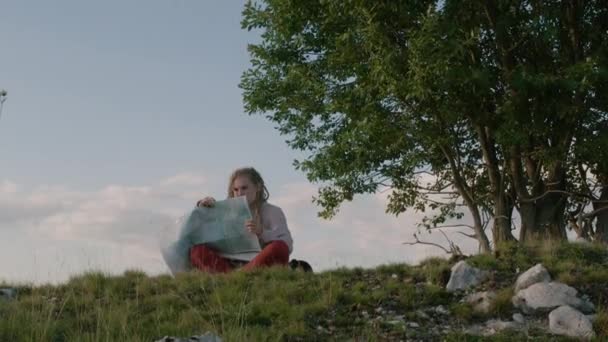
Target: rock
<point>422,314</point>
<point>570,322</point>
<point>464,276</point>
<point>534,275</point>
<point>206,337</point>
<point>519,318</point>
<point>544,297</point>
<point>491,327</point>
<point>8,294</point>
<point>498,325</point>
<point>440,310</point>
<point>413,325</point>
<point>481,301</point>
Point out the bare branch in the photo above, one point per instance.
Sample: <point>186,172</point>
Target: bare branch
<point>443,203</point>
<point>453,226</point>
<point>472,236</point>
<point>437,191</point>
<point>574,194</point>
<point>454,249</point>
<point>418,242</point>
<point>424,172</point>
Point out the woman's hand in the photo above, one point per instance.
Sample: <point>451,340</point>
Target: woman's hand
<point>208,202</point>
<point>253,227</point>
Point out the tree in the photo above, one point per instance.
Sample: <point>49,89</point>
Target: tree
<point>493,101</point>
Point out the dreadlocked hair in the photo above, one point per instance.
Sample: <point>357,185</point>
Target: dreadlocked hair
<point>261,195</point>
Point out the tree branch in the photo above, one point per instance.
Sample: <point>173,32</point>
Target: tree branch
<point>453,226</point>
<point>574,194</point>
<point>418,242</point>
<point>454,249</point>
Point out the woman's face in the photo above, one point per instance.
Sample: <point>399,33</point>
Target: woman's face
<point>242,186</point>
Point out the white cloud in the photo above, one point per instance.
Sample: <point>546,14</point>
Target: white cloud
<point>184,179</point>
<point>119,227</point>
<point>128,219</point>
<point>361,234</point>
<point>7,188</point>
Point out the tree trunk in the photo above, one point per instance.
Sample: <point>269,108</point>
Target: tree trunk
<point>465,191</point>
<point>543,219</point>
<point>542,212</point>
<point>550,217</point>
<point>601,225</point>
<point>529,230</point>
<point>484,243</point>
<point>501,230</point>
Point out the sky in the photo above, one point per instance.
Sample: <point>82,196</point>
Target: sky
<point>120,115</point>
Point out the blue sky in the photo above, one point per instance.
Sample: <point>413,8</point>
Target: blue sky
<point>120,115</point>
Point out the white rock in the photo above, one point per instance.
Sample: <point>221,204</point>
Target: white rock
<point>491,327</point>
<point>207,337</point>
<point>441,310</point>
<point>413,325</point>
<point>544,297</point>
<point>570,322</point>
<point>498,325</point>
<point>422,314</point>
<point>481,301</point>
<point>534,275</point>
<point>519,318</point>
<point>464,276</point>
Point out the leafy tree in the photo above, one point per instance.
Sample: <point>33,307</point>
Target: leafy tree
<point>491,106</point>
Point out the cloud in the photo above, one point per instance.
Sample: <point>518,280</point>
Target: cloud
<point>184,179</point>
<point>361,234</point>
<point>17,205</point>
<point>7,188</point>
<point>116,218</point>
<point>118,227</point>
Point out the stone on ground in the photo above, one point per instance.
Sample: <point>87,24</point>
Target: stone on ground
<point>568,321</point>
<point>536,274</point>
<point>464,276</point>
<point>544,297</point>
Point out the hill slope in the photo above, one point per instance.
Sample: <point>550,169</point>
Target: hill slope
<point>391,302</point>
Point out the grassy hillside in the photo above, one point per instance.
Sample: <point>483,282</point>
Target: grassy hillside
<point>390,302</point>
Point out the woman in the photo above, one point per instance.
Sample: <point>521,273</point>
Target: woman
<point>268,223</point>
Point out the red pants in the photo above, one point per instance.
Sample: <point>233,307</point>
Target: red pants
<point>207,259</point>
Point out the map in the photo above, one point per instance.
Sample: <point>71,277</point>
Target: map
<point>221,227</point>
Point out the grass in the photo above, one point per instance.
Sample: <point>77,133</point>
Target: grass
<point>278,304</point>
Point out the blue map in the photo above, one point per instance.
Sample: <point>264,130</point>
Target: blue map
<point>221,227</point>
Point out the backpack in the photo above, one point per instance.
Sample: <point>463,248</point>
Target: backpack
<point>300,265</point>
